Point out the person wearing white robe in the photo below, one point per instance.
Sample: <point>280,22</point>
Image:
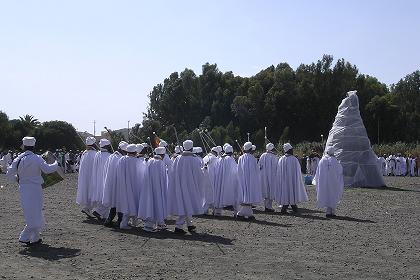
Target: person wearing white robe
<point>329,182</point>
<point>412,166</point>
<point>166,159</point>
<point>268,172</point>
<point>314,164</point>
<point>85,179</point>
<point>177,151</point>
<point>26,170</point>
<point>152,204</point>
<point>111,185</point>
<point>249,182</point>
<point>382,165</point>
<point>185,191</point>
<point>290,189</point>
<point>226,187</point>
<point>98,185</point>
<point>129,176</point>
<point>210,163</point>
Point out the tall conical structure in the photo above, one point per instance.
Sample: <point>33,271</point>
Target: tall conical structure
<point>348,135</point>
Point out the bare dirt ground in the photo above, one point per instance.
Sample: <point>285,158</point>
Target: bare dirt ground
<point>377,236</point>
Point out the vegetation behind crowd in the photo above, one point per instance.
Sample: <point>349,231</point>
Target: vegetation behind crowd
<point>296,106</point>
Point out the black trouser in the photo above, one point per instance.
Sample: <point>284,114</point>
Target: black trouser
<point>112,214</point>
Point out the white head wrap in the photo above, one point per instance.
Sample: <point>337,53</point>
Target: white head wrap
<point>160,150</point>
<point>131,148</point>
<point>90,140</point>
<point>104,142</point>
<point>247,146</point>
<point>269,146</point>
<point>123,145</point>
<point>28,141</point>
<point>287,147</point>
<point>228,149</point>
<point>197,150</point>
<point>163,143</point>
<point>139,148</point>
<point>188,145</point>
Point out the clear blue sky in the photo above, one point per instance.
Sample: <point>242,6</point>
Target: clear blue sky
<point>81,61</point>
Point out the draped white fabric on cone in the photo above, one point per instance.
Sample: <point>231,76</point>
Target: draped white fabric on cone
<point>111,184</point>
<point>152,204</point>
<point>268,173</point>
<point>99,169</point>
<point>85,179</point>
<point>290,189</point>
<point>329,182</point>
<point>249,180</point>
<point>226,189</point>
<point>186,191</point>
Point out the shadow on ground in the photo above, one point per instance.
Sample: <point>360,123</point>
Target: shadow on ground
<point>50,253</point>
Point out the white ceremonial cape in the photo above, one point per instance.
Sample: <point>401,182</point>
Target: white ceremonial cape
<point>268,173</point>
<point>85,179</point>
<point>111,184</point>
<point>129,178</point>
<point>249,180</point>
<point>30,189</point>
<point>329,182</point>
<point>226,188</point>
<point>152,204</point>
<point>186,191</point>
<point>168,162</point>
<point>290,189</point>
<point>99,169</point>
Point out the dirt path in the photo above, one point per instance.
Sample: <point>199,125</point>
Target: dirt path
<point>376,237</point>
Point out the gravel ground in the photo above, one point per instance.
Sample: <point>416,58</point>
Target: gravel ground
<point>376,236</point>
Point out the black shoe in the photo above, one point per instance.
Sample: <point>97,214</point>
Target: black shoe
<point>35,243</point>
<point>179,231</point>
<point>230,207</point>
<point>87,214</point>
<point>251,218</point>
<point>295,208</point>
<point>284,209</point>
<point>268,210</point>
<point>329,215</point>
<point>97,216</point>
<point>192,229</point>
<point>108,223</point>
<point>25,242</point>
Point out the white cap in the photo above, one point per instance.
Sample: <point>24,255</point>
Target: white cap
<point>330,151</point>
<point>131,148</point>
<point>269,146</point>
<point>228,149</point>
<point>163,143</point>
<point>219,149</point>
<point>123,145</point>
<point>28,141</point>
<point>247,146</point>
<point>104,142</point>
<point>254,147</point>
<point>214,149</point>
<point>178,149</point>
<point>90,140</point>
<point>139,148</point>
<point>188,145</point>
<point>287,147</point>
<point>197,150</point>
<point>160,150</point>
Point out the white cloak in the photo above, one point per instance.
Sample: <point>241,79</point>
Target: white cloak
<point>185,191</point>
<point>111,185</point>
<point>129,178</point>
<point>85,179</point>
<point>152,204</point>
<point>329,182</point>
<point>226,189</point>
<point>268,173</point>
<point>99,170</point>
<point>290,189</point>
<point>249,180</point>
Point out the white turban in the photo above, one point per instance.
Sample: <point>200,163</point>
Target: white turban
<point>90,140</point>
<point>160,150</point>
<point>228,149</point>
<point>123,145</point>
<point>28,141</point>
<point>131,148</point>
<point>254,147</point>
<point>104,142</point>
<point>178,149</point>
<point>214,149</point>
<point>269,146</point>
<point>247,146</point>
<point>287,147</point>
<point>197,150</point>
<point>139,148</point>
<point>219,149</point>
<point>330,151</point>
<point>188,145</point>
<point>163,143</point>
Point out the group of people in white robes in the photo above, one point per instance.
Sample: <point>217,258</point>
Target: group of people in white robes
<point>399,165</point>
<point>124,183</point>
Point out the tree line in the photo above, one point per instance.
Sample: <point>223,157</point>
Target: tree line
<point>295,105</point>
